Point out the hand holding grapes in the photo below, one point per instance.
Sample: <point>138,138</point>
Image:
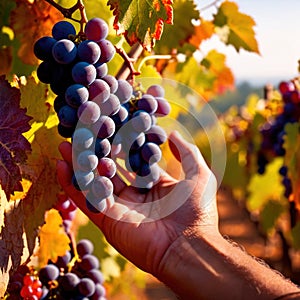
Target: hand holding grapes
<point>146,242</point>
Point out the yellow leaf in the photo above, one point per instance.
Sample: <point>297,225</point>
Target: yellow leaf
<point>30,21</point>
<point>202,32</point>
<point>54,241</point>
<point>241,32</point>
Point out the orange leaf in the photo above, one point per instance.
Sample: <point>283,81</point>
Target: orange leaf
<point>30,21</point>
<point>54,241</point>
<point>202,32</point>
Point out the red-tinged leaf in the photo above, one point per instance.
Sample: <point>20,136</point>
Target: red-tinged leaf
<point>202,32</point>
<point>13,146</point>
<point>30,21</point>
<point>241,33</point>
<point>141,21</point>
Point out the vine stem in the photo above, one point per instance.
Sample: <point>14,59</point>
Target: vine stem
<point>214,3</point>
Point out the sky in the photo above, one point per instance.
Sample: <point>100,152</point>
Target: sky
<point>278,35</point>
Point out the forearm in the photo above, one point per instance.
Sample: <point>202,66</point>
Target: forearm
<point>212,268</point>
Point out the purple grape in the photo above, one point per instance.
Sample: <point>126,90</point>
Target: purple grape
<point>89,112</point>
<point>67,116</point>
<point>96,29</point>
<point>156,135</point>
<point>64,51</point>
<point>134,161</point>
<point>111,106</point>
<point>107,51</point>
<point>64,131</point>
<point>43,48</point>
<point>99,293</point>
<point>81,180</point>
<point>83,139</point>
<point>99,91</point>
<point>112,82</point>
<point>95,205</point>
<point>151,153</point>
<point>124,91</point>
<point>152,172</point>
<point>44,71</point>
<point>121,117</point>
<point>104,127</point>
<point>87,161</point>
<point>86,287</point>
<point>62,30</point>
<point>156,90</point>
<point>48,273</point>
<point>76,94</point>
<point>96,276</point>
<point>107,167</point>
<point>148,103</point>
<point>141,121</point>
<point>68,282</point>
<point>101,70</point>
<point>163,107</point>
<point>102,187</point>
<point>59,102</point>
<point>84,247</point>
<point>89,51</point>
<point>102,147</point>
<point>88,262</point>
<point>84,73</point>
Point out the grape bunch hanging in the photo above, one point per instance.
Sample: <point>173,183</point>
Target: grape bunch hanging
<point>70,277</point>
<point>105,117</point>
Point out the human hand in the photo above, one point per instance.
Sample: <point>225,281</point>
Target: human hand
<point>143,227</point>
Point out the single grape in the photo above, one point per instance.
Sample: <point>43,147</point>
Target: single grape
<point>111,106</point>
<point>68,282</point>
<point>95,205</point>
<point>84,73</point>
<point>88,262</point>
<point>121,117</point>
<point>134,140</point>
<point>87,161</point>
<point>99,91</point>
<point>99,292</point>
<point>48,273</point>
<point>112,82</point>
<point>156,90</point>
<point>152,172</point>
<point>83,139</point>
<point>134,161</point>
<point>104,127</point>
<point>43,48</point>
<point>107,167</point>
<point>62,30</point>
<point>102,187</point>
<point>89,51</point>
<point>163,107</point>
<point>88,112</point>
<point>81,180</point>
<point>45,71</point>
<point>67,116</point>
<point>96,29</point>
<point>102,147</point>
<point>64,131</point>
<point>86,287</point>
<point>76,94</point>
<point>59,102</point>
<point>96,276</point>
<point>64,51</point>
<point>151,153</point>
<point>141,121</point>
<point>156,135</point>
<point>62,261</point>
<point>84,246</point>
<point>101,70</point>
<point>124,91</point>
<point>108,51</point>
<point>147,103</point>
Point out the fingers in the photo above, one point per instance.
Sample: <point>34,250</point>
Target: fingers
<point>189,155</point>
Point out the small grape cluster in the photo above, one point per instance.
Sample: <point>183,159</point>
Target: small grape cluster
<point>273,134</point>
<point>105,117</point>
<point>63,280</point>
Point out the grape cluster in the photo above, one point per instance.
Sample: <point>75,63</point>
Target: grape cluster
<point>105,117</point>
<point>273,133</point>
<point>62,280</point>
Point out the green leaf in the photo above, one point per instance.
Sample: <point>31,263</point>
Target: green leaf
<point>266,187</point>
<point>141,21</point>
<point>270,214</point>
<point>176,35</point>
<point>241,33</point>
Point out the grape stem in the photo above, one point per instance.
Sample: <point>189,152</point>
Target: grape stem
<point>127,70</point>
<point>68,12</point>
<point>214,3</point>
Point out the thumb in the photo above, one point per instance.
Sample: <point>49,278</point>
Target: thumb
<point>188,154</point>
